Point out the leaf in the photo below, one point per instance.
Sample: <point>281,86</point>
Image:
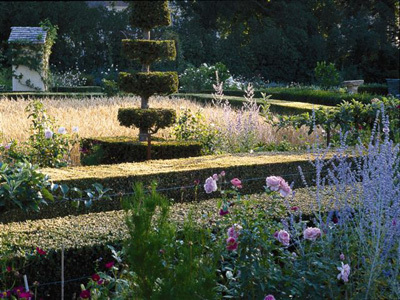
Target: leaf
<point>46,194</point>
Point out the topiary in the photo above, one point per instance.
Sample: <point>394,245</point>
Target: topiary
<point>147,15</point>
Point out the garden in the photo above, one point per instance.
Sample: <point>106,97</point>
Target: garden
<point>199,180</point>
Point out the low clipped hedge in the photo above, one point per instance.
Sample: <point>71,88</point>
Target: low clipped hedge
<point>149,51</point>
<point>374,88</point>
<point>77,89</point>
<point>276,106</point>
<point>148,84</point>
<point>115,150</point>
<point>322,97</point>
<point>42,95</point>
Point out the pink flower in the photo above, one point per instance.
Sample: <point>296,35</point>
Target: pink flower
<point>269,297</point>
<point>295,208</point>
<point>284,188</point>
<point>284,237</point>
<point>276,234</point>
<point>25,295</point>
<point>223,212</point>
<point>344,272</point>
<point>236,183</point>
<point>234,231</point>
<point>231,244</point>
<point>85,294</point>
<point>95,277</point>
<point>9,268</point>
<point>110,264</point>
<point>312,233</point>
<point>40,251</point>
<point>18,290</point>
<point>273,182</point>
<point>215,177</point>
<point>222,174</point>
<point>210,185</point>
<point>342,257</point>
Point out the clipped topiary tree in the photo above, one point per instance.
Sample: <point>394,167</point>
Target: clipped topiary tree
<point>147,15</point>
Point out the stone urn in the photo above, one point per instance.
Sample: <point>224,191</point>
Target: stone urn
<point>352,85</point>
<point>393,86</point>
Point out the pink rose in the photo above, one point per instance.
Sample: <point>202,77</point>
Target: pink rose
<point>215,177</point>
<point>234,231</point>
<point>344,272</point>
<point>110,264</point>
<point>236,183</point>
<point>222,174</point>
<point>210,185</point>
<point>284,188</point>
<point>312,233</point>
<point>231,244</point>
<point>269,297</point>
<point>273,182</point>
<point>284,237</point>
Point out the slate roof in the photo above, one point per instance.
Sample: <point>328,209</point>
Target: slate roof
<point>29,35</point>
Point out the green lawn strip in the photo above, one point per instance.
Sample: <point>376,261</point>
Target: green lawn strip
<point>277,106</point>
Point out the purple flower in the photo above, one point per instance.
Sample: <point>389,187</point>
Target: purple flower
<point>215,177</point>
<point>234,231</point>
<point>342,257</point>
<point>223,212</point>
<point>283,237</point>
<point>344,272</point>
<point>269,297</point>
<point>48,134</point>
<point>62,130</point>
<point>210,185</point>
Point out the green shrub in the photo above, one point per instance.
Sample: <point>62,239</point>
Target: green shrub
<point>327,76</point>
<point>148,51</point>
<point>150,119</point>
<point>76,89</point>
<point>202,78</point>
<point>120,150</point>
<point>374,89</point>
<point>149,14</point>
<point>110,87</point>
<point>148,84</point>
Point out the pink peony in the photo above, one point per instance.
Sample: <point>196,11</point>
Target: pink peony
<point>210,185</point>
<point>273,182</point>
<point>269,297</point>
<point>342,257</point>
<point>236,183</point>
<point>231,244</point>
<point>312,233</point>
<point>344,272</point>
<point>284,237</point>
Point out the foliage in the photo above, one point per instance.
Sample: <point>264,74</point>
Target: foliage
<point>192,126</point>
<point>146,15</point>
<point>5,79</point>
<point>148,84</point>
<point>327,76</point>
<point>150,120</point>
<point>23,186</point>
<point>147,51</point>
<point>374,89</point>
<point>168,262</point>
<point>202,78</point>
<point>110,87</point>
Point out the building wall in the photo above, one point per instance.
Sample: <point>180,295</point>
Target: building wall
<point>28,74</point>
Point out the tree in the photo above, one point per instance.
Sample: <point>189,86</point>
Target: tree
<point>147,15</point>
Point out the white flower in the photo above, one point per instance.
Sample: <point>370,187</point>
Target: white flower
<point>62,130</point>
<point>344,272</point>
<point>75,129</point>
<point>48,134</point>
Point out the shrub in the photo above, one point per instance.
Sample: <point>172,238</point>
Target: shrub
<point>374,89</point>
<point>148,52</point>
<point>120,150</point>
<point>147,15</point>
<point>327,76</point>
<point>110,87</point>
<point>77,89</point>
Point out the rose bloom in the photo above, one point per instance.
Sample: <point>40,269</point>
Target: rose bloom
<point>231,244</point>
<point>344,272</point>
<point>234,231</point>
<point>236,183</point>
<point>223,212</point>
<point>210,185</point>
<point>110,264</point>
<point>215,177</point>
<point>284,237</point>
<point>312,233</point>
<point>284,188</point>
<point>95,277</point>
<point>273,182</point>
<point>269,297</point>
<point>85,294</point>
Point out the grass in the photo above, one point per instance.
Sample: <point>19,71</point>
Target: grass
<point>97,117</point>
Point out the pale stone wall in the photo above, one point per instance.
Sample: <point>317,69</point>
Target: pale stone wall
<point>28,74</point>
